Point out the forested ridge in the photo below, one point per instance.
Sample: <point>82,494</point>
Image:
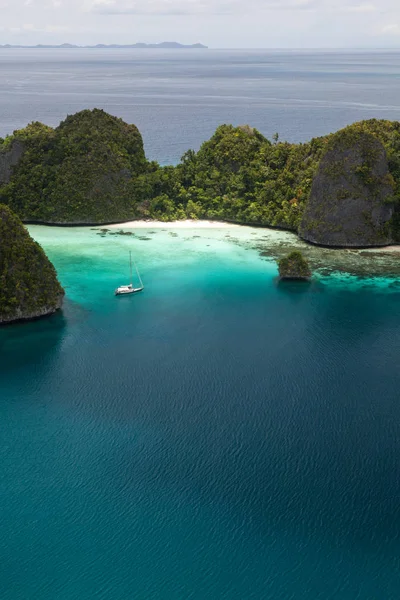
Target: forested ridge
<point>92,169</point>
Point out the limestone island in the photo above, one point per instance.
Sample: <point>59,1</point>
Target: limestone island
<point>339,190</point>
<point>294,267</point>
<point>352,200</point>
<point>29,287</point>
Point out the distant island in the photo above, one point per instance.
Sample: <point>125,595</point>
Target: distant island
<point>168,45</point>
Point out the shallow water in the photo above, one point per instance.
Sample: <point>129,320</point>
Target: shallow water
<point>218,436</point>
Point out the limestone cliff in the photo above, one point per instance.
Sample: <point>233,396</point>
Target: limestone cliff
<point>9,158</point>
<point>351,200</point>
<point>28,281</point>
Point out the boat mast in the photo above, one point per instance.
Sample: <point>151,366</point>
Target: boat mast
<point>138,274</point>
<point>130,262</point>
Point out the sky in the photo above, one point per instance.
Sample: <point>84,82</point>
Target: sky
<point>216,23</point>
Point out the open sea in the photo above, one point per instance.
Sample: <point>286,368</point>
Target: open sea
<point>178,98</point>
<point>219,436</point>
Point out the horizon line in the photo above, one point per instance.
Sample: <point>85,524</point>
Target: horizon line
<point>178,45</point>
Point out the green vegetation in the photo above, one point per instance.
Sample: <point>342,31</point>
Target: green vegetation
<point>294,266</point>
<point>28,281</point>
<point>92,169</point>
<point>238,175</point>
<point>83,171</point>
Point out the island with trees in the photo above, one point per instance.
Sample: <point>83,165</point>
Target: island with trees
<point>294,267</point>
<point>29,287</point>
<point>339,190</point>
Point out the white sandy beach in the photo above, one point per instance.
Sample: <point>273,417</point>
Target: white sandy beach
<point>187,224</point>
<point>193,224</point>
<point>389,249</point>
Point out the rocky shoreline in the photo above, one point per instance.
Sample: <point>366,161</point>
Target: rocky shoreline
<point>29,285</point>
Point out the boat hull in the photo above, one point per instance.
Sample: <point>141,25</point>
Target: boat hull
<point>128,292</point>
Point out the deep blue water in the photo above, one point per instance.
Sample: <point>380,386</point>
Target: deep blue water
<point>218,436</point>
<point>178,98</point>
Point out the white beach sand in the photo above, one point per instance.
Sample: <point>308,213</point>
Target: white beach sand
<point>388,249</point>
<point>193,224</point>
<point>187,224</point>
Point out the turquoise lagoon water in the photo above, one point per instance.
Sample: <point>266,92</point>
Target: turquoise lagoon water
<point>218,436</point>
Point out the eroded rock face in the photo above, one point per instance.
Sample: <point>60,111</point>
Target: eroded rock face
<point>350,203</point>
<point>29,287</point>
<point>22,315</point>
<point>9,159</point>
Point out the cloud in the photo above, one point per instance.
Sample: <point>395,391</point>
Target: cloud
<point>193,7</point>
<point>361,8</point>
<point>41,5</point>
<point>393,29</point>
<point>232,23</point>
<point>231,7</point>
<point>30,27</point>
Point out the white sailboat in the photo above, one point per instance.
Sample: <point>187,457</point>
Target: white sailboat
<point>129,289</point>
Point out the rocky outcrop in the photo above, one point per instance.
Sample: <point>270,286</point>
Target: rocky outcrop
<point>294,266</point>
<point>9,159</point>
<point>247,129</point>
<point>21,315</point>
<point>29,287</point>
<point>84,171</point>
<point>350,204</point>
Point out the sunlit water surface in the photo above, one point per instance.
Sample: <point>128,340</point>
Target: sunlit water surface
<point>218,436</point>
<point>177,98</point>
